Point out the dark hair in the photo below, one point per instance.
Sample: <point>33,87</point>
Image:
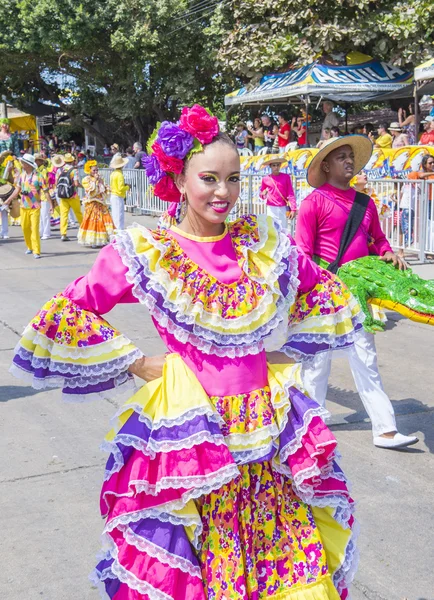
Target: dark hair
<point>284,115</point>
<point>129,150</point>
<point>383,126</point>
<point>369,127</point>
<point>335,129</point>
<point>221,137</point>
<point>425,159</point>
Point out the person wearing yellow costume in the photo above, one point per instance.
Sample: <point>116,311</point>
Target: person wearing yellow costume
<point>119,191</point>
<point>97,225</point>
<point>67,184</point>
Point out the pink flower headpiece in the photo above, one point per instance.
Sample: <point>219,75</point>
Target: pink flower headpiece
<point>172,143</point>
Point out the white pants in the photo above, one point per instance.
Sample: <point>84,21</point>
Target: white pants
<point>4,216</point>
<point>363,363</point>
<point>72,221</point>
<point>118,211</point>
<point>278,213</point>
<point>44,224</point>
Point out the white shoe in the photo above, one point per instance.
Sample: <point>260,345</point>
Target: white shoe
<point>398,441</point>
<point>45,237</point>
<point>5,237</point>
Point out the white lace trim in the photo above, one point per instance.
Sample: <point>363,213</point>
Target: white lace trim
<point>344,576</point>
<point>164,556</point>
<point>206,483</point>
<point>186,310</point>
<point>205,339</point>
<point>214,482</point>
<point>39,339</point>
<point>97,372</point>
<point>337,343</point>
<point>134,583</point>
<point>168,422</point>
<point>152,448</point>
<point>252,437</point>
<point>122,383</point>
<point>98,578</point>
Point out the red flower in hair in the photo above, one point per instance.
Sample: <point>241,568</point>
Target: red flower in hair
<point>197,121</point>
<point>170,164</point>
<point>166,190</point>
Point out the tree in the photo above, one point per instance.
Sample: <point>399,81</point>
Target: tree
<point>262,35</point>
<point>114,66</point>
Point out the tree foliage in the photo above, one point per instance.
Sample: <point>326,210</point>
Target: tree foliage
<point>117,66</point>
<point>262,35</point>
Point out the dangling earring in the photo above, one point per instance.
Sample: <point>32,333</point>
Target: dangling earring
<point>183,206</point>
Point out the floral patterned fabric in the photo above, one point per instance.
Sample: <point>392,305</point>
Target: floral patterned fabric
<point>259,540</point>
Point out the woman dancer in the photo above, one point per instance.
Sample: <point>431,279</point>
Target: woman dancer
<point>222,480</point>
<point>97,225</point>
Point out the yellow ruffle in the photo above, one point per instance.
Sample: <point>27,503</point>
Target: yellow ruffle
<point>197,297</point>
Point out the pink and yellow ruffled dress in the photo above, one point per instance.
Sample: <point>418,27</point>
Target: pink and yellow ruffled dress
<point>222,480</point>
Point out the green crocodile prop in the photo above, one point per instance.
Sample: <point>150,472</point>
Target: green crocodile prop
<point>373,281</point>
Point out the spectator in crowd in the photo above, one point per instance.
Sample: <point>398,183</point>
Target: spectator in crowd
<point>400,139</point>
<point>138,155</point>
<point>268,127</point>
<point>277,191</point>
<point>384,139</point>
<point>357,129</point>
<point>427,172</point>
<point>427,137</point>
<point>335,132</point>
<point>106,151</point>
<point>131,158</point>
<point>298,126</point>
<point>331,118</point>
<point>257,135</point>
<point>408,123</point>
<point>284,130</point>
<point>327,135</point>
<point>114,149</point>
<point>241,136</point>
<point>368,129</point>
<point>81,159</point>
<point>275,148</point>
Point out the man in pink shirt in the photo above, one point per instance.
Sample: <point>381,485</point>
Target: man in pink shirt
<point>320,225</point>
<point>276,190</point>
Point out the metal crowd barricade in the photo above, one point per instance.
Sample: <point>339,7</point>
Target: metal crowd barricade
<point>406,212</point>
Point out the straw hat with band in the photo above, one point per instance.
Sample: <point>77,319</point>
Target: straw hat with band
<point>6,191</point>
<point>361,146</point>
<point>57,161</point>
<point>69,158</point>
<point>118,162</point>
<point>276,159</point>
<point>395,127</point>
<point>29,159</point>
<point>41,157</point>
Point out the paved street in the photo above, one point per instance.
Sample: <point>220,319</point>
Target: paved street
<point>51,467</point>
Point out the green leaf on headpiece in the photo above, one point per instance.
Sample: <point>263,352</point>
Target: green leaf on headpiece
<point>152,139</point>
<point>197,147</point>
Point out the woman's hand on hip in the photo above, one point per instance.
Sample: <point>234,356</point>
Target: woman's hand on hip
<point>148,367</point>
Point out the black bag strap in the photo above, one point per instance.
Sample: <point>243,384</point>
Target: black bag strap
<point>353,223</point>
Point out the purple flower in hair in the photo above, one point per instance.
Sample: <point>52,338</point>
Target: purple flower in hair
<point>152,168</point>
<point>174,141</point>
